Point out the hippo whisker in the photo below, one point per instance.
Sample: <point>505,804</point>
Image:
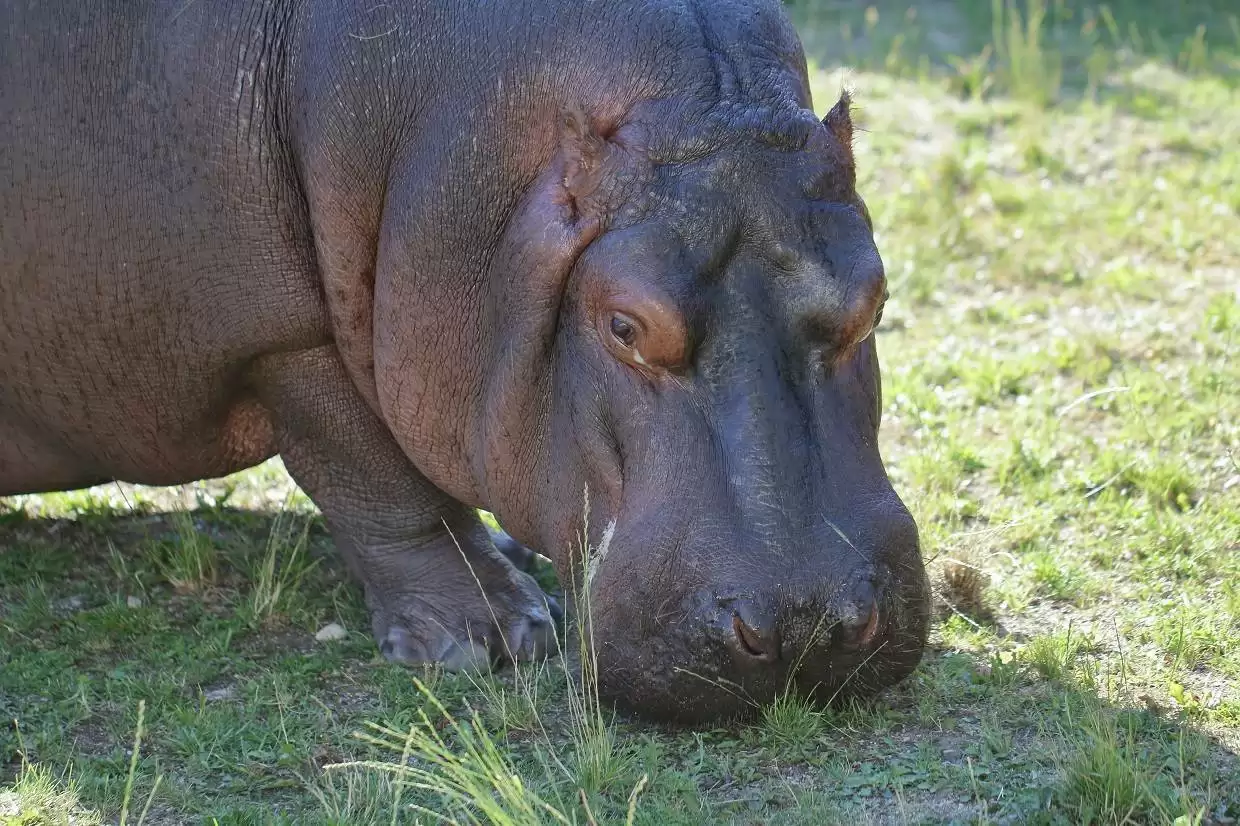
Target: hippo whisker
<point>666,611</point>
<point>854,671</point>
<point>865,556</point>
<point>721,682</point>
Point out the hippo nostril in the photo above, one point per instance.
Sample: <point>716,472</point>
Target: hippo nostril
<point>759,643</point>
<point>861,628</point>
<point>747,640</point>
<point>871,627</point>
<point>859,619</point>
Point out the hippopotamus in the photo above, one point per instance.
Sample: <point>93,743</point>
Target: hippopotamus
<point>595,268</point>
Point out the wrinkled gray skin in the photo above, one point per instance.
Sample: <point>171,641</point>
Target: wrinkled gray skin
<point>445,256</point>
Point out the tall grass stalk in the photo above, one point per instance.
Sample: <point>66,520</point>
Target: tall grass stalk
<point>132,775</point>
<point>595,758</point>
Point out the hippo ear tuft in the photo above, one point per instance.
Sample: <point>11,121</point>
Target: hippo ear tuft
<point>584,150</point>
<point>839,122</point>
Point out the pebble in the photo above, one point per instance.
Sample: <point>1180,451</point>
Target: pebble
<point>134,602</point>
<point>71,605</point>
<point>216,694</point>
<point>331,632</point>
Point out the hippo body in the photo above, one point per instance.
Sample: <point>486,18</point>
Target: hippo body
<point>556,260</point>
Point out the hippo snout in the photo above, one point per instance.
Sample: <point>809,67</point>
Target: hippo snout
<point>836,620</point>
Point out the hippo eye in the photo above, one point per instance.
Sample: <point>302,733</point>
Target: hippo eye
<point>624,330</point>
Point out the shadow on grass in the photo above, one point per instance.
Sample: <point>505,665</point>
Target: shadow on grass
<point>1047,737</point>
<point>91,622</point>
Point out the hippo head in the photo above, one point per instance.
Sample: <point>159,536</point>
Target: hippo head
<point>676,340</point>
<point>709,385</point>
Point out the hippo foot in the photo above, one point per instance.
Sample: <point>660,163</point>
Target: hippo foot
<point>529,638</point>
<point>464,617</point>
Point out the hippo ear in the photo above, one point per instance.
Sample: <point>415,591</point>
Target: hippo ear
<point>839,123</point>
<point>584,153</point>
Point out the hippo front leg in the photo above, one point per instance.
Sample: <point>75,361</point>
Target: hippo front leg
<point>437,588</point>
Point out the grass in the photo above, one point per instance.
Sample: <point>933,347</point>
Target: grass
<point>38,798</point>
<point>1111,776</point>
<point>470,777</point>
<point>1057,197</point>
<point>187,559</point>
<point>791,722</point>
<point>282,569</point>
<point>466,775</point>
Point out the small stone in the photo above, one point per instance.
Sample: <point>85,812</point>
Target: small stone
<point>221,693</point>
<point>331,632</point>
<point>70,605</point>
<point>134,602</point>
